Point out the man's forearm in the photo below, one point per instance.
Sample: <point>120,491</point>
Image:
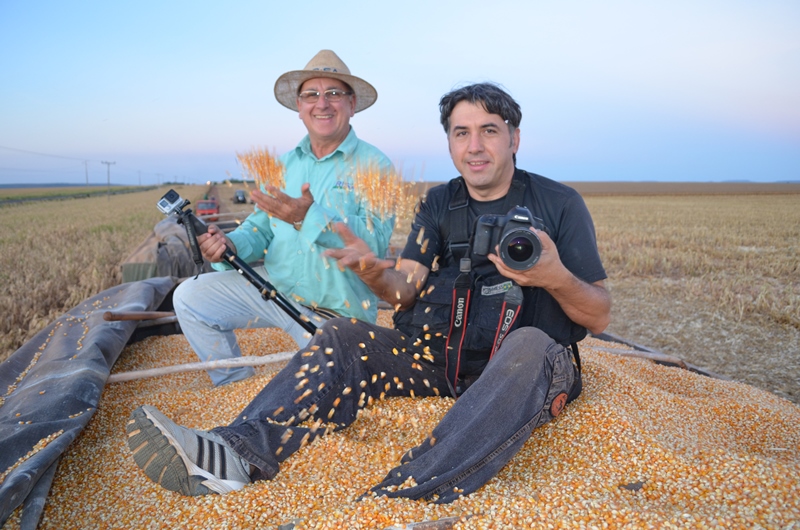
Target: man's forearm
<point>586,304</point>
<point>394,286</point>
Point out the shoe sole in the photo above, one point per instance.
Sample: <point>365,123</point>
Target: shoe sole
<point>164,461</point>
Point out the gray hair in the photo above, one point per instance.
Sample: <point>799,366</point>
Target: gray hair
<point>492,98</point>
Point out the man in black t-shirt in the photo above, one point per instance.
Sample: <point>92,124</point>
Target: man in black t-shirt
<point>569,224</point>
<point>467,326</point>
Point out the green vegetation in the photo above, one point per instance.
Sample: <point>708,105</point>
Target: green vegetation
<point>66,192</point>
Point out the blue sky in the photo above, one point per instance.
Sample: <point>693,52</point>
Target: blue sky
<point>614,90</point>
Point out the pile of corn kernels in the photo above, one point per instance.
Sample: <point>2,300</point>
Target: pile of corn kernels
<point>645,446</point>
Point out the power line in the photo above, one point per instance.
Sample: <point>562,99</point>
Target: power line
<point>39,169</point>
<point>84,162</point>
<point>45,154</point>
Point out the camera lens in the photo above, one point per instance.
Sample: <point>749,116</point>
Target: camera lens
<point>520,249</point>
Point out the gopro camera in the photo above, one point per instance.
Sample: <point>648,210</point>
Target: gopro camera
<point>520,248</point>
<point>171,202</point>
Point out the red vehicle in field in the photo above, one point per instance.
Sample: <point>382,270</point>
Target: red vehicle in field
<point>208,209</point>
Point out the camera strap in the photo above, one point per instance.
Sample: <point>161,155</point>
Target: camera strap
<point>458,235</point>
<point>462,296</point>
<point>576,355</point>
<point>459,312</point>
<point>512,301</point>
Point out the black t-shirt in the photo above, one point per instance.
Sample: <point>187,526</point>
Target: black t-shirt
<point>570,226</point>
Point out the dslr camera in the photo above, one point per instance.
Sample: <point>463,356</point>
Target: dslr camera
<point>520,248</point>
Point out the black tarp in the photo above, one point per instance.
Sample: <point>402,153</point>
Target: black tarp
<point>53,384</point>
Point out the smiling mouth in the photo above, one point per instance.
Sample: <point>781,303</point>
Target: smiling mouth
<point>323,116</point>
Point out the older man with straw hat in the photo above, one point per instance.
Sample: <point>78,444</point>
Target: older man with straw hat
<point>289,228</point>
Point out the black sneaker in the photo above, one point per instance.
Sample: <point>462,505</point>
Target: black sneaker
<point>183,460</point>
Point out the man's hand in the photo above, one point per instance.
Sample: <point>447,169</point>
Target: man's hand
<point>396,284</point>
<point>278,204</point>
<point>586,304</point>
<point>212,244</point>
<point>357,255</point>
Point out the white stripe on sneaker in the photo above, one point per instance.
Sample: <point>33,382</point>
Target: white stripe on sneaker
<point>212,482</point>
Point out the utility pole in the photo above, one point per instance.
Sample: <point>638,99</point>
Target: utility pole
<point>158,179</point>
<point>86,166</point>
<point>140,177</point>
<point>108,175</point>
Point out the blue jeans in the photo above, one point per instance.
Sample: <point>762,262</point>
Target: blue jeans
<point>479,434</point>
<point>211,306</point>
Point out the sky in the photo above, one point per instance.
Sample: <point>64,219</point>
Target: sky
<point>614,90</point>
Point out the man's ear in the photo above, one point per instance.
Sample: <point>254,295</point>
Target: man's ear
<point>515,140</point>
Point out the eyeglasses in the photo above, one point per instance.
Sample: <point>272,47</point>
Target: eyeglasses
<point>332,95</point>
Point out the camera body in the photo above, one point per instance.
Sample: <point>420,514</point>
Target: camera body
<point>171,202</point>
<point>520,248</point>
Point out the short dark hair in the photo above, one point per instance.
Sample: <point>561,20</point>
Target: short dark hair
<point>492,98</point>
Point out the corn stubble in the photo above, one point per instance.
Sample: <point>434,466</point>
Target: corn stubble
<point>644,446</point>
<point>712,279</point>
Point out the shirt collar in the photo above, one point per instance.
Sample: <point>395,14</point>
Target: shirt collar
<point>347,147</point>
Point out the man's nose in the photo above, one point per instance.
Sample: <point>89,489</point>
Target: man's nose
<point>322,101</point>
<point>475,143</point>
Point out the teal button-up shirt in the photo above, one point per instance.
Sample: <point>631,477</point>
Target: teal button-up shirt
<point>293,258</point>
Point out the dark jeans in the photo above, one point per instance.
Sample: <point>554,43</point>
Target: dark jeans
<point>349,364</point>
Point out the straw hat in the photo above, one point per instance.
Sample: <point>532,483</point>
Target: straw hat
<point>324,64</point>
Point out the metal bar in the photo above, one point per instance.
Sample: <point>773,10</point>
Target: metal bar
<point>253,360</point>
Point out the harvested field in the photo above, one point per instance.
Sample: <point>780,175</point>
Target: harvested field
<point>712,279</point>
<point>683,188</point>
<point>644,446</point>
